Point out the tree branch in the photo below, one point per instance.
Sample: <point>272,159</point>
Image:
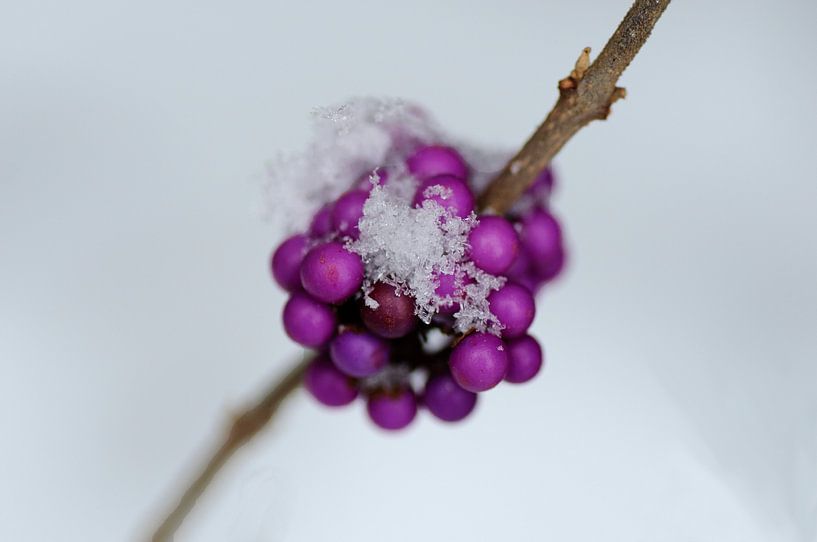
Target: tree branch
<point>244,427</point>
<point>585,95</point>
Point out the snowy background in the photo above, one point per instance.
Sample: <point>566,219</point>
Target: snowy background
<point>680,398</point>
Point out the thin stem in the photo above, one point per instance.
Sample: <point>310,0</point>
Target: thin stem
<point>585,95</point>
<point>244,427</point>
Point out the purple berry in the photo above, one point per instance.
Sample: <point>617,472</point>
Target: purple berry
<point>520,267</point>
<point>479,362</point>
<point>359,353</point>
<point>392,410</point>
<point>286,262</point>
<point>331,273</point>
<point>322,222</point>
<point>447,400</point>
<point>436,160</point>
<point>522,273</point>
<point>541,238</point>
<point>328,385</point>
<point>514,307</point>
<point>308,322</point>
<point>449,192</point>
<point>494,244</point>
<point>530,282</point>
<point>542,185</point>
<point>552,268</point>
<point>448,284</point>
<point>524,359</point>
<point>394,316</point>
<point>347,211</point>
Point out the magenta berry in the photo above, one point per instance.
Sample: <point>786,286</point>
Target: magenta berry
<point>392,410</point>
<point>449,192</point>
<point>328,385</point>
<point>514,307</point>
<point>330,273</point>
<point>446,287</point>
<point>308,322</point>
<point>322,222</point>
<point>479,362</point>
<point>286,262</point>
<point>543,184</point>
<point>437,160</point>
<point>541,238</point>
<point>494,244</point>
<point>522,273</point>
<point>347,212</point>
<point>447,400</point>
<point>550,269</point>
<point>359,353</point>
<point>524,359</point>
<point>394,316</point>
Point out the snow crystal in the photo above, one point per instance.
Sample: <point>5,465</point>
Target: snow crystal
<point>349,140</point>
<point>408,246</point>
<point>400,245</point>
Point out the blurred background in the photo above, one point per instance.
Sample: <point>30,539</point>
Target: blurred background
<point>136,310</point>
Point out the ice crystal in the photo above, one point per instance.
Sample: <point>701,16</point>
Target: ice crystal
<point>401,245</point>
<point>408,247</point>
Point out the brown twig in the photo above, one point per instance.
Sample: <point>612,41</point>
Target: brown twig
<point>244,427</point>
<point>585,95</point>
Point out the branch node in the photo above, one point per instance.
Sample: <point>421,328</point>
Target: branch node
<point>619,93</point>
<point>582,63</point>
<point>571,82</point>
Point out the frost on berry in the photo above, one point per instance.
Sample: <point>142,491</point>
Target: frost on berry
<point>407,246</point>
<point>356,136</point>
<point>359,135</point>
<point>384,203</point>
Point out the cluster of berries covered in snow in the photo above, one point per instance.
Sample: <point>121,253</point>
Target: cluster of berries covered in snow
<point>409,297</point>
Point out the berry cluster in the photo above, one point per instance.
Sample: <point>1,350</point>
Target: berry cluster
<point>431,325</point>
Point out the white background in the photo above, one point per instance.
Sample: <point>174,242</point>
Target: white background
<point>136,310</point>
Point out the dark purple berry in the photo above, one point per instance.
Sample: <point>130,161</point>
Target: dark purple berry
<point>331,273</point>
<point>524,359</point>
<point>436,160</point>
<point>328,385</point>
<point>479,362</point>
<point>394,316</point>
<point>392,410</point>
<point>286,262</point>
<point>494,244</point>
<point>308,322</point>
<point>359,353</point>
<point>447,400</point>
<point>514,307</point>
